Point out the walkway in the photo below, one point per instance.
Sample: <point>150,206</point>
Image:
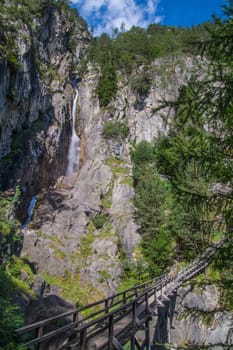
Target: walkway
<point>114,321</point>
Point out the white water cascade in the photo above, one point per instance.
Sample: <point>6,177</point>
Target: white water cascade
<point>31,207</point>
<point>74,149</point>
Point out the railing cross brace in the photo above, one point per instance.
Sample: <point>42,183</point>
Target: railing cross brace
<point>116,344</point>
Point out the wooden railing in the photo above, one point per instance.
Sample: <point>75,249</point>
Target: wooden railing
<point>105,308</point>
<point>116,318</point>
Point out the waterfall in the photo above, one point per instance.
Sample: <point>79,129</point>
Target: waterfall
<point>30,211</point>
<point>74,149</point>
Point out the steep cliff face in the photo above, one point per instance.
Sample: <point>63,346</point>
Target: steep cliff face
<point>36,100</point>
<point>194,318</point>
<point>65,241</point>
<point>200,319</point>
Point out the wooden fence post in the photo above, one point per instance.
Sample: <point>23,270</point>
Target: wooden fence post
<point>83,339</point>
<point>39,333</point>
<point>110,333</point>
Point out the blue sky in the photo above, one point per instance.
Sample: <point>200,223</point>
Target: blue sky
<point>104,15</point>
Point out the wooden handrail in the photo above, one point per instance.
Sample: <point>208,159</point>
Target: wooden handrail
<point>89,306</point>
<point>124,303</point>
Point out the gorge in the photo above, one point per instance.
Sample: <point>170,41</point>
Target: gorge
<point>97,158</point>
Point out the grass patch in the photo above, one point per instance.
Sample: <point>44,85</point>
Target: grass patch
<point>73,290</point>
<point>100,220</point>
<point>104,275</point>
<point>11,278</point>
<point>216,236</point>
<point>86,244</point>
<point>58,253</point>
<point>117,166</point>
<point>127,181</point>
<point>51,238</point>
<point>115,130</point>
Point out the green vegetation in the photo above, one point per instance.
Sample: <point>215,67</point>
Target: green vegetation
<point>106,200</point>
<point>159,217</point>
<point>9,225</point>
<point>115,130</point>
<point>117,166</point>
<point>11,316</point>
<point>126,51</point>
<point>73,290</point>
<point>15,15</point>
<point>99,220</point>
<point>86,244</point>
<point>190,206</point>
<point>107,87</point>
<point>140,84</point>
<point>12,286</point>
<point>104,275</point>
<point>132,274</point>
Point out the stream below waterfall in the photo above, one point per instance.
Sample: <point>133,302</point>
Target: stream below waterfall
<point>74,148</point>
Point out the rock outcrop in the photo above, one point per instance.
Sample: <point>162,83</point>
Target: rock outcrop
<point>36,100</point>
<point>199,319</point>
<point>63,240</point>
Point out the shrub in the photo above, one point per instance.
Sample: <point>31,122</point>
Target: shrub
<point>107,87</point>
<point>99,220</point>
<point>115,130</point>
<point>141,84</point>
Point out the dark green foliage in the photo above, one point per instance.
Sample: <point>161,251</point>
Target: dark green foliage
<point>160,221</point>
<point>11,318</point>
<point>101,51</point>
<point>115,130</point>
<point>223,263</point>
<point>143,154</point>
<point>12,287</point>
<point>183,213</point>
<point>126,51</point>
<point>99,220</point>
<point>107,86</point>
<point>9,225</point>
<point>197,154</point>
<point>132,274</point>
<point>141,83</point>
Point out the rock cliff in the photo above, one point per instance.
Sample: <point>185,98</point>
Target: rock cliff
<point>36,100</point>
<point>200,319</point>
<point>63,241</point>
<point>193,318</point>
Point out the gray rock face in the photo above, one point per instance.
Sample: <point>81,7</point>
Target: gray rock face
<point>35,103</point>
<point>167,75</point>
<point>62,238</point>
<point>198,319</point>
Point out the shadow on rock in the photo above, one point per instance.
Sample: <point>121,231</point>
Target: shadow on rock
<point>48,307</point>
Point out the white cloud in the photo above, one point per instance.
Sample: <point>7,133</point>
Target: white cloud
<point>105,15</point>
